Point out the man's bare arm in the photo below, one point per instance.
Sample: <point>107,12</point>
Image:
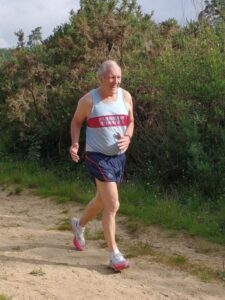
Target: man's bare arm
<point>80,115</point>
<point>125,140</point>
<point>130,128</point>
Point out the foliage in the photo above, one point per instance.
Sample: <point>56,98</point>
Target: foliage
<point>192,91</point>
<point>20,36</point>
<point>175,75</point>
<point>214,11</point>
<point>35,37</point>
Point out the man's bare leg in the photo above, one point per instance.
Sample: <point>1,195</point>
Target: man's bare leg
<point>109,194</point>
<point>93,208</point>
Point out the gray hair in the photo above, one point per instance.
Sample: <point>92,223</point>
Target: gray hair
<point>105,66</point>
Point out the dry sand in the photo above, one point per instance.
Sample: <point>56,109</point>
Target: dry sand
<point>38,261</point>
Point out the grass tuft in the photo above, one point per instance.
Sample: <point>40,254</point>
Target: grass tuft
<point>221,275</point>
<point>4,297</point>
<point>65,225</point>
<point>18,190</point>
<point>138,249</point>
<point>178,260</point>
<point>37,272</point>
<point>95,236</point>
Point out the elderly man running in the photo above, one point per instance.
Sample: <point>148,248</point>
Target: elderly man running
<point>108,112</point>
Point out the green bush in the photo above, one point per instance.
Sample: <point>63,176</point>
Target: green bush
<point>175,74</point>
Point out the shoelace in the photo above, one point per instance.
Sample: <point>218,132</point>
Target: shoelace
<point>118,258</point>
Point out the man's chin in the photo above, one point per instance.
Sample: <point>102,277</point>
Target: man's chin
<point>114,88</point>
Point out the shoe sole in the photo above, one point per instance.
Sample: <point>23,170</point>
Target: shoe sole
<point>119,267</point>
<point>77,245</point>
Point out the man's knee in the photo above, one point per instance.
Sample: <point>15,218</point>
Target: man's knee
<point>116,205</point>
<point>113,205</point>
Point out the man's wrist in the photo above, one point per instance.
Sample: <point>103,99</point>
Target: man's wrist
<point>75,144</point>
<point>127,135</point>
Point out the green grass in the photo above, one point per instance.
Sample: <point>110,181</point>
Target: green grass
<point>37,272</point>
<point>178,262</point>
<point>3,297</point>
<point>137,249</point>
<point>182,263</point>
<point>64,225</point>
<point>180,211</point>
<point>95,236</point>
<point>221,275</point>
<point>44,182</point>
<point>151,208</point>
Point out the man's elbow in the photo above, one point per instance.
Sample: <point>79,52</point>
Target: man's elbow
<point>75,123</point>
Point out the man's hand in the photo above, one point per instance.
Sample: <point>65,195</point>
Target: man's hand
<point>124,142</point>
<point>73,152</point>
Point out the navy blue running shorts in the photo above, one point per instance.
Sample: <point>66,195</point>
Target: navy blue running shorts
<point>104,167</point>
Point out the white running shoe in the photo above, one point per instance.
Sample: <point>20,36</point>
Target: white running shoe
<point>118,262</point>
<point>78,231</point>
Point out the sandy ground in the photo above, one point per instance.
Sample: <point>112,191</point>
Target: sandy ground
<point>38,261</point>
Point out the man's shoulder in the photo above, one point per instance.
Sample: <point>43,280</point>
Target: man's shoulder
<point>85,104</point>
<point>126,94</point>
<point>87,98</point>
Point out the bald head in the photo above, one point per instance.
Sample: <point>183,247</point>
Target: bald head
<point>106,66</point>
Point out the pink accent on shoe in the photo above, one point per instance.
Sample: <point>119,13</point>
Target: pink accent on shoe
<point>120,266</point>
<point>77,245</point>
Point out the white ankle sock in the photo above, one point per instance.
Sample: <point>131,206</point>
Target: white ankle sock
<point>80,225</point>
<point>114,252</point>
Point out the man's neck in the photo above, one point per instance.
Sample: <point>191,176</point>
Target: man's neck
<point>108,95</point>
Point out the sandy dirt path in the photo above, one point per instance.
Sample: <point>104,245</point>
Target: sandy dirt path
<point>38,261</point>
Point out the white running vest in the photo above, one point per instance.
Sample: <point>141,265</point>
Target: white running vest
<point>106,123</point>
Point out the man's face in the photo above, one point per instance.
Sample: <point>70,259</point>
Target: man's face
<point>111,79</point>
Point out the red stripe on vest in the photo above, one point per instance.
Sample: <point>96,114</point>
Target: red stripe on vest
<point>108,121</point>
